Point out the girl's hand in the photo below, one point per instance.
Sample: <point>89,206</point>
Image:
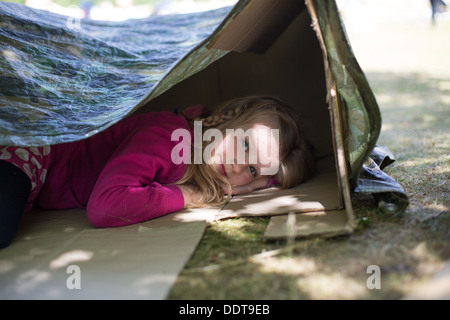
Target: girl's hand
<point>189,195</point>
<point>252,186</point>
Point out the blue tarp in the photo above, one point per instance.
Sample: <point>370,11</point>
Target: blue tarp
<point>63,79</point>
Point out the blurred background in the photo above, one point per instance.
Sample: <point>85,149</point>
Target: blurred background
<point>354,11</point>
<point>370,23</point>
<point>118,10</point>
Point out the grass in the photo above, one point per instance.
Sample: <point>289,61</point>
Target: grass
<point>412,86</point>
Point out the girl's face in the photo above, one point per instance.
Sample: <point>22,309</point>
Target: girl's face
<point>248,158</point>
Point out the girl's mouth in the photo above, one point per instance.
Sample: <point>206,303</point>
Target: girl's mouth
<point>222,170</point>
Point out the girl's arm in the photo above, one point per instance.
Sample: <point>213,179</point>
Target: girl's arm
<point>127,190</point>
<point>189,195</point>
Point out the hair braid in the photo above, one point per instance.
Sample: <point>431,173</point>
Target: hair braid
<point>223,116</point>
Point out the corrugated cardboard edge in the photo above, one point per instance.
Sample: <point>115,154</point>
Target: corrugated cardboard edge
<point>322,223</point>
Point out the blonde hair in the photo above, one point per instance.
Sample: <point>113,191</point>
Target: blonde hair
<point>296,153</point>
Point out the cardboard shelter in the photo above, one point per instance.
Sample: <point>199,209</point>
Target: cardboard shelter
<point>292,49</point>
<point>298,52</point>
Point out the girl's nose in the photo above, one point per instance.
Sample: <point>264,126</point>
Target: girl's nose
<point>239,168</point>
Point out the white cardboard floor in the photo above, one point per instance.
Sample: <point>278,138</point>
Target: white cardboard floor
<point>59,255</point>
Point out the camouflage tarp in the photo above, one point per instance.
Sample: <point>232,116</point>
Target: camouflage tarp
<point>358,110</point>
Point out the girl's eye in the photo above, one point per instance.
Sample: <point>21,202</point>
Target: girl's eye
<point>245,144</point>
<point>253,171</point>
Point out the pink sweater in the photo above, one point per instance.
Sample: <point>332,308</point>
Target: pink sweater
<point>122,175</point>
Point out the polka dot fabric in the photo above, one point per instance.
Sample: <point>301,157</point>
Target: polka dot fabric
<point>34,161</point>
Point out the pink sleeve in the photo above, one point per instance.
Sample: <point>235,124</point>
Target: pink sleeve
<point>195,112</point>
<point>126,191</point>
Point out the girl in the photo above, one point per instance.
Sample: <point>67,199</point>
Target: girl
<point>126,174</point>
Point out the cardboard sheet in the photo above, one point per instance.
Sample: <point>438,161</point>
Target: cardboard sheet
<point>316,206</point>
<point>318,194</point>
<point>256,27</point>
<point>59,255</point>
<point>322,223</point>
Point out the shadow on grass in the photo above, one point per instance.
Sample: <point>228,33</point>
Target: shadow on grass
<point>412,102</point>
<point>238,264</point>
<point>229,265</point>
<point>415,110</point>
